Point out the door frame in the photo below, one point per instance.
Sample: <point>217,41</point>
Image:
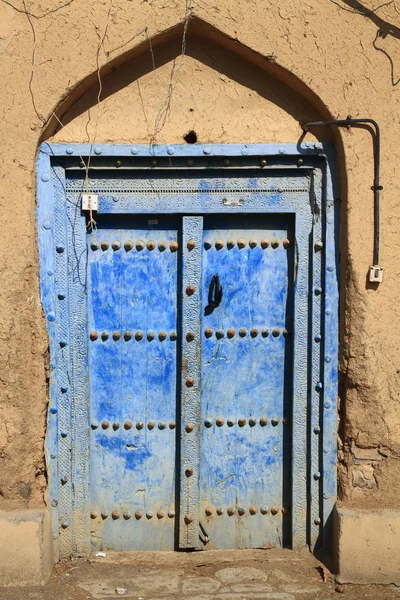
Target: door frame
<point>316,310</point>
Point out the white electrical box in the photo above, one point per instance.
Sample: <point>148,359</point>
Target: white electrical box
<point>90,202</point>
<point>375,274</point>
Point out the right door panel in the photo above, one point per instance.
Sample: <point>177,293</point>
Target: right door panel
<point>246,329</point>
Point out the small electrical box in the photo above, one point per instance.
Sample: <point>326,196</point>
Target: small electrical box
<point>375,274</point>
<point>90,202</point>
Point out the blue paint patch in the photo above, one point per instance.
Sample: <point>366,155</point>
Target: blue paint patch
<point>133,453</point>
<point>133,310</point>
<point>245,374</point>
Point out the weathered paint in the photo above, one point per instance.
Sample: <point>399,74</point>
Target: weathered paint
<point>283,188</point>
<point>132,302</point>
<point>246,380</point>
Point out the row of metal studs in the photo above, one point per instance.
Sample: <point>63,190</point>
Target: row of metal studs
<point>128,335</point>
<point>241,243</point>
<point>230,333</point>
<point>162,335</point>
<point>173,246</point>
<point>219,421</point>
<point>253,510</point>
<point>139,245</point>
<point>209,511</point>
<point>207,151</point>
<point>139,425</point>
<point>116,514</point>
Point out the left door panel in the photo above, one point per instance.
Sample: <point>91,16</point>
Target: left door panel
<point>132,303</point>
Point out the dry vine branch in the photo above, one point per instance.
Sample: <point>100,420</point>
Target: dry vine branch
<point>30,15</point>
<point>33,62</point>
<point>92,225</point>
<point>109,52</point>
<point>165,106</point>
<point>47,12</point>
<point>383,30</point>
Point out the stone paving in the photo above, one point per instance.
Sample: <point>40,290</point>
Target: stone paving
<point>213,575</point>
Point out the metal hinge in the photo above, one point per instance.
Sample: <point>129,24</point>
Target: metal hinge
<point>90,202</point>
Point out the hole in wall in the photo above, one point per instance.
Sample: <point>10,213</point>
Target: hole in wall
<point>190,137</point>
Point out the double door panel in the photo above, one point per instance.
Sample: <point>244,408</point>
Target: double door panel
<point>221,480</point>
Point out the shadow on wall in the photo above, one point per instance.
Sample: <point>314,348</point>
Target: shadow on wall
<point>220,90</point>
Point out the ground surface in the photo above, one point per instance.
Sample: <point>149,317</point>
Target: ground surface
<point>213,575</point>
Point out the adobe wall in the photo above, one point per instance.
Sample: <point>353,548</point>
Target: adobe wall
<point>252,72</point>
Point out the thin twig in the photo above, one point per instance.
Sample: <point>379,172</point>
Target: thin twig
<point>33,63</point>
<point>109,52</point>
<point>165,106</point>
<point>99,67</point>
<point>92,226</point>
<point>143,108</point>
<point>31,14</point>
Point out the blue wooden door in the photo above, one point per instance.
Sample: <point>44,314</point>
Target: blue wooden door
<point>246,374</point>
<point>190,362</point>
<point>236,386</point>
<point>132,293</point>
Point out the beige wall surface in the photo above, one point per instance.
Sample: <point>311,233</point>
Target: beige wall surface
<point>253,71</point>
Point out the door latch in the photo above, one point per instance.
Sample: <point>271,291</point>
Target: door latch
<point>203,535</point>
<point>214,295</point>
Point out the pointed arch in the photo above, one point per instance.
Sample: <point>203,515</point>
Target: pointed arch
<point>167,46</point>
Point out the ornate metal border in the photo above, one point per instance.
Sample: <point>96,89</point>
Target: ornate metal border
<point>192,232</point>
<point>61,228</point>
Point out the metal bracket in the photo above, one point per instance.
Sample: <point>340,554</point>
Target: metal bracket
<point>90,202</point>
<point>233,201</point>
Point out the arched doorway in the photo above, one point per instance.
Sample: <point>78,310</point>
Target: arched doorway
<point>193,337</point>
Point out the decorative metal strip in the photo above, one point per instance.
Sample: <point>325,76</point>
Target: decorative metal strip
<point>275,151</point>
<point>316,379</point>
<point>48,297</point>
<point>300,379</point>
<point>190,381</point>
<point>158,183</point>
<point>331,336</point>
<point>99,189</point>
<point>195,203</point>
<point>63,364</point>
<point>78,368</point>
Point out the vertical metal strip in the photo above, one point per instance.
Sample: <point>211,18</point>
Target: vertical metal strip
<point>316,379</point>
<point>190,381</point>
<point>77,256</point>
<point>63,363</point>
<point>45,224</point>
<point>300,377</point>
<point>331,339</point>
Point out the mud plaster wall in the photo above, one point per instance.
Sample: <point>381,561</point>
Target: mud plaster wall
<point>306,59</point>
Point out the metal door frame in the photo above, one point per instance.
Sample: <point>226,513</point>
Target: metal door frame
<point>314,433</point>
